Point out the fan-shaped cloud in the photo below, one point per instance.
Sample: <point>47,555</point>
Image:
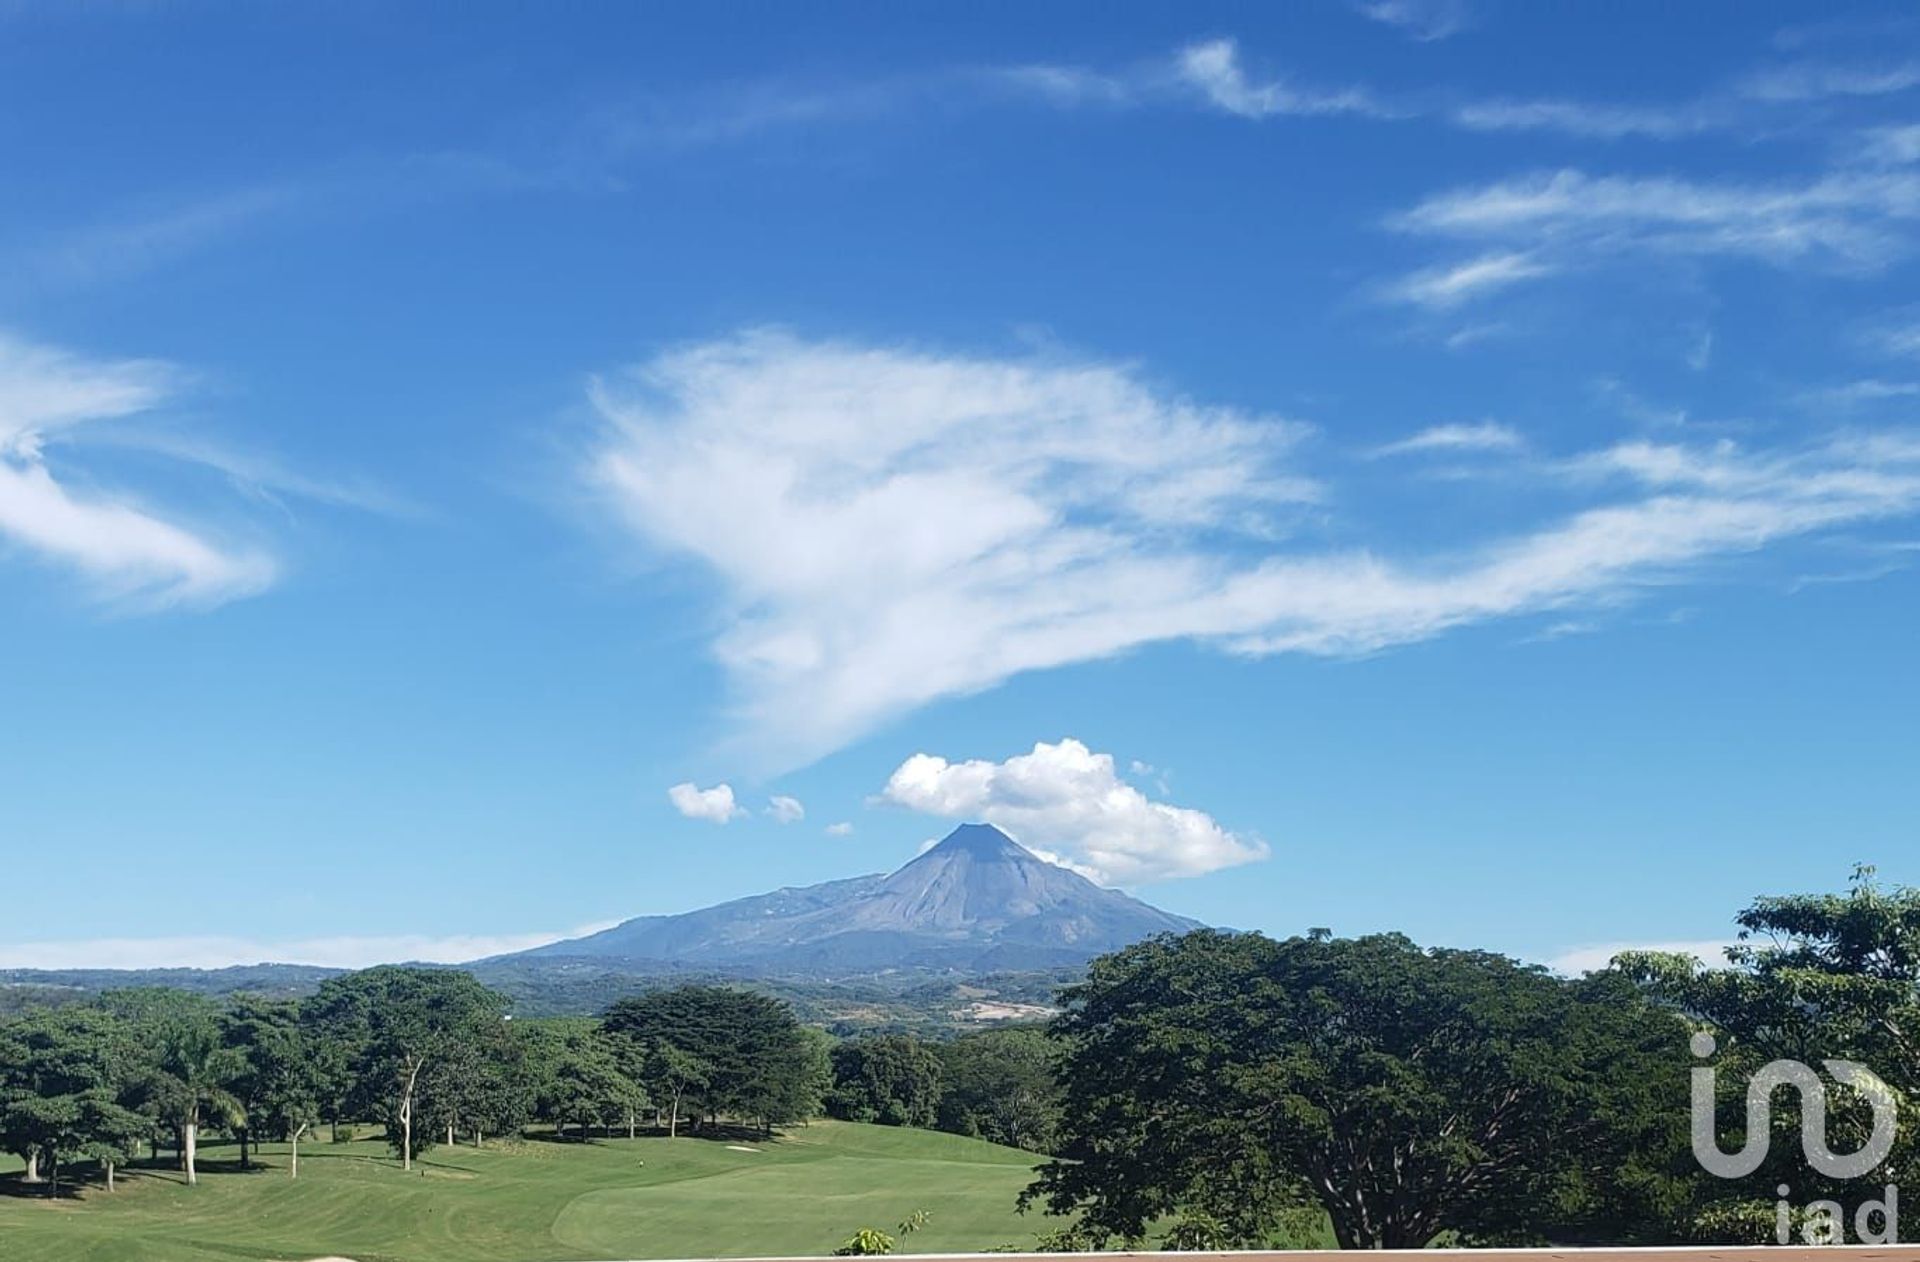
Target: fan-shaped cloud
<point>890,527</point>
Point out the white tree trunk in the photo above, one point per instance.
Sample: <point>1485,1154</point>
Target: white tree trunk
<point>406,1115</point>
<point>33,1167</point>
<point>192,1132</point>
<point>109,1166</point>
<point>295,1162</point>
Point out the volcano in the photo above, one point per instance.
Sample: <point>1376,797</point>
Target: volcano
<point>977,901</point>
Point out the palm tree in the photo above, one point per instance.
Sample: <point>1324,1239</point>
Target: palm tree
<point>194,1069</point>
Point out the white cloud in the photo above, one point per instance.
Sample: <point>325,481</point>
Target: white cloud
<point>1866,390</point>
<point>212,951</point>
<point>1448,286</point>
<point>1587,959</point>
<point>892,527</point>
<point>1858,219</point>
<point>1066,803</point>
<point>1213,68</point>
<point>1902,339</point>
<point>124,550</point>
<point>1590,120</point>
<point>1809,81</point>
<point>841,829</point>
<point>786,810</point>
<point>1424,20</point>
<point>1895,146</point>
<point>1483,436</point>
<point>715,805</point>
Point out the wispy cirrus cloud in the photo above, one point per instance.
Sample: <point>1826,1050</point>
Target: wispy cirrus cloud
<point>1458,437</point>
<point>1849,220</point>
<point>1424,20</point>
<point>1594,120</point>
<point>1802,81</point>
<point>1213,68</point>
<point>891,526</point>
<point>1452,285</point>
<point>127,552</point>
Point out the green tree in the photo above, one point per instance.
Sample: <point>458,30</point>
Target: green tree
<point>671,1075</point>
<point>1001,1085</point>
<point>755,1061</point>
<point>283,1083</point>
<point>889,1078</point>
<point>191,1072</point>
<point>1813,977</point>
<point>397,1023</point>
<point>1227,1079</point>
<point>589,1086</point>
<point>61,1089</point>
<point>249,1026</point>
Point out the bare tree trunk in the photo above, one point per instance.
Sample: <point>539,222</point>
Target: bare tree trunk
<point>295,1142</point>
<point>53,1172</point>
<point>406,1116</point>
<point>33,1167</point>
<point>630,1123</point>
<point>109,1166</point>
<point>245,1161</point>
<point>190,1148</point>
<point>449,1134</point>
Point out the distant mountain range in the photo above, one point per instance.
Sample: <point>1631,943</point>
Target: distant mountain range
<point>975,902</point>
<point>977,918</point>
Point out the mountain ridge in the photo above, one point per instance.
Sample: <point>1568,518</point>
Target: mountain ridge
<point>976,900</point>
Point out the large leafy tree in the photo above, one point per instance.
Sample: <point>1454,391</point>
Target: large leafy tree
<point>1001,1085</point>
<point>888,1078</point>
<point>1813,977</point>
<point>63,1083</point>
<point>1405,1093</point>
<point>588,1084</point>
<point>397,1024</point>
<point>671,1075</point>
<point>191,1072</point>
<point>752,1060</point>
<point>281,1084</point>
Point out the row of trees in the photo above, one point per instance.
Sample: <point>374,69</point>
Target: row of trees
<point>996,1084</point>
<point>1241,1088</point>
<point>430,1053</point>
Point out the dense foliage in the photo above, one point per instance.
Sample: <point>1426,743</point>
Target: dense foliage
<point>1228,1081</point>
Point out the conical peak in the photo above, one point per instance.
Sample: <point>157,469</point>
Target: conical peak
<point>982,841</point>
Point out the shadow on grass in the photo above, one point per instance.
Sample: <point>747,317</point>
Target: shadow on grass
<point>87,1181</point>
<point>723,1133</point>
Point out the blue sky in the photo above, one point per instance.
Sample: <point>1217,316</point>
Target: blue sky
<point>471,474</point>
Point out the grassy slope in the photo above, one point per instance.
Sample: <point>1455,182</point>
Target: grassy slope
<point>646,1198</point>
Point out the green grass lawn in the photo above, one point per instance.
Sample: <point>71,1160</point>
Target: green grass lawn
<point>802,1193</point>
